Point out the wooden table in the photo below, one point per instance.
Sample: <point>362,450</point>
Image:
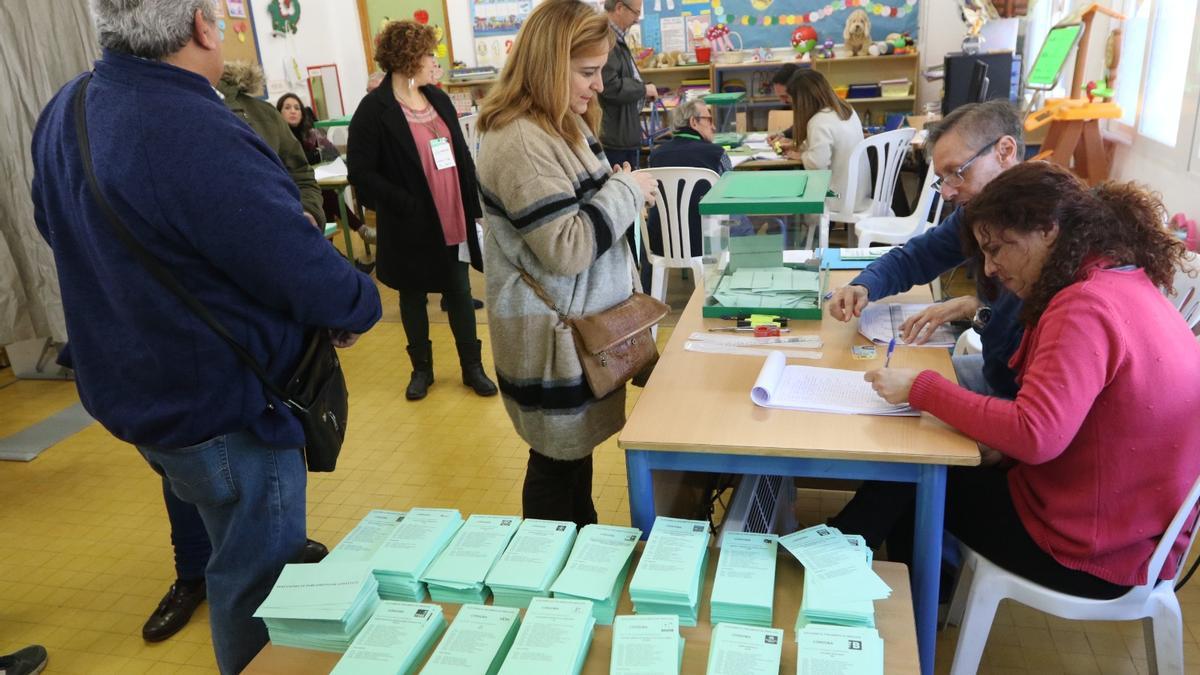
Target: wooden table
<point>893,618</point>
<point>695,414</point>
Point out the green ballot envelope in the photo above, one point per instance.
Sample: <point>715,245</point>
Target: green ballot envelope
<point>838,649</point>
<point>597,567</point>
<point>457,574</point>
<point>744,650</point>
<point>671,571</point>
<point>394,641</point>
<point>532,561</point>
<point>408,551</point>
<point>744,585</point>
<point>477,642</point>
<point>366,537</point>
<point>319,606</point>
<point>646,645</point>
<point>554,638</point>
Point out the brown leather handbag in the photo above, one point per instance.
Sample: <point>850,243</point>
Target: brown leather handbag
<point>614,345</point>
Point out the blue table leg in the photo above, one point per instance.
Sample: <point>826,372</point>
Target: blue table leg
<point>641,490</point>
<point>927,558</point>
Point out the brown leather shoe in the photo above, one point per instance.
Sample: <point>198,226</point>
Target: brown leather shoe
<point>175,610</point>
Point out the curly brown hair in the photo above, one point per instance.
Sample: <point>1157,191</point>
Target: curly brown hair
<point>401,45</point>
<point>1120,222</point>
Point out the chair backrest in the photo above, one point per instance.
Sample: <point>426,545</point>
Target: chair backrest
<point>1182,517</point>
<point>929,204</point>
<point>675,188</point>
<point>890,149</point>
<point>471,133</point>
<point>778,120</point>
<point>1187,290</point>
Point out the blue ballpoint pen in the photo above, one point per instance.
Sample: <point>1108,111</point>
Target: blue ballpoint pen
<point>887,360</point>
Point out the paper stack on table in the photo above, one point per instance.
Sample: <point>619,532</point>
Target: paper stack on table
<point>744,650</point>
<point>394,641</point>
<point>366,537</point>
<point>838,649</point>
<point>457,574</point>
<point>408,551</point>
<point>597,568</point>
<point>839,585</point>
<point>477,643</point>
<point>646,645</point>
<point>880,323</point>
<point>554,638</point>
<point>531,562</point>
<point>773,287</point>
<point>744,587</point>
<point>319,606</point>
<point>670,574</point>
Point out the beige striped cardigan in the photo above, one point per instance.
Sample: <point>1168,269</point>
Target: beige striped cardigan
<point>557,211</point>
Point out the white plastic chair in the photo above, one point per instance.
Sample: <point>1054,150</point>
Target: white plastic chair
<point>675,188</point>
<point>891,147</point>
<point>898,230</point>
<point>968,342</point>
<point>471,133</point>
<point>1187,290</point>
<point>1154,603</point>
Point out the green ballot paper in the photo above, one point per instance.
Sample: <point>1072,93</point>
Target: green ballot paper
<point>553,639</point>
<point>744,650</point>
<point>394,641</point>
<point>838,649</point>
<point>671,571</point>
<point>597,567</point>
<point>366,537</point>
<point>319,606</point>
<point>646,645</point>
<point>409,549</point>
<point>477,643</point>
<point>457,574</point>
<point>744,586</point>
<point>532,562</point>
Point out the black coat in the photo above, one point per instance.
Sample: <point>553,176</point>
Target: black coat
<point>388,177</point>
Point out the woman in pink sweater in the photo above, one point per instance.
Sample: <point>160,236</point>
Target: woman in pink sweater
<point>1101,444</point>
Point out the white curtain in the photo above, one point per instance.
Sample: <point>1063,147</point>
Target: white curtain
<point>44,44</point>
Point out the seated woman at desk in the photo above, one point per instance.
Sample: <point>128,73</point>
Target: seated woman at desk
<point>1101,444</point>
<point>824,134</point>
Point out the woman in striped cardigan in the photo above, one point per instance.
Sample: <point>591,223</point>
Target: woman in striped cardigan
<point>556,211</point>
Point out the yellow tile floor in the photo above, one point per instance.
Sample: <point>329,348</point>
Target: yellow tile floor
<point>85,554</point>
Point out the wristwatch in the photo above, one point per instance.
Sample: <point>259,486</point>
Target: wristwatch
<point>982,316</point>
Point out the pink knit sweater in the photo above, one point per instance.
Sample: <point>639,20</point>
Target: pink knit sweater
<point>1104,429</point>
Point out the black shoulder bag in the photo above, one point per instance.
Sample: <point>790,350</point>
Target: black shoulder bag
<point>316,392</point>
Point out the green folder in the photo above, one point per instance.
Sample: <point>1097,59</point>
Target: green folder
<point>767,185</point>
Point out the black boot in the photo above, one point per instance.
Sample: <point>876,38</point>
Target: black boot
<point>422,375</point>
<point>472,368</point>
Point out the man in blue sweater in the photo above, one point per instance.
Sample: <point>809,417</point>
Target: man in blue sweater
<point>211,200</point>
<point>970,147</point>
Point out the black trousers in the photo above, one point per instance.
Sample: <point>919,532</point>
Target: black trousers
<point>558,489</point>
<point>980,513</point>
<point>415,316</point>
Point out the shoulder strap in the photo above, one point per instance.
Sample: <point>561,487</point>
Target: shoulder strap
<point>147,260</point>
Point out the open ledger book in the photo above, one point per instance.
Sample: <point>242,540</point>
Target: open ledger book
<point>812,389</point>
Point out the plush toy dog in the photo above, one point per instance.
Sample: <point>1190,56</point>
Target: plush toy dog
<point>858,32</point>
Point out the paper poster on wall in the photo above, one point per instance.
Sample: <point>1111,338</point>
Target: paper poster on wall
<point>237,8</point>
<point>500,16</point>
<point>493,50</point>
<point>674,39</point>
<point>697,26</point>
<point>219,9</point>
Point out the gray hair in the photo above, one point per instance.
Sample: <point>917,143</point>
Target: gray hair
<point>611,5</point>
<point>981,123</point>
<point>151,29</point>
<point>685,112</point>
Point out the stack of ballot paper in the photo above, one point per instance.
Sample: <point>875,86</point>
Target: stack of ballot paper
<point>839,585</point>
<point>395,640</point>
<point>597,568</point>
<point>744,587</point>
<point>554,638</point>
<point>646,645</point>
<point>838,649</point>
<point>457,574</point>
<point>477,643</point>
<point>531,562</point>
<point>671,572</point>
<point>366,537</point>
<point>409,549</point>
<point>319,606</point>
<point>744,650</point>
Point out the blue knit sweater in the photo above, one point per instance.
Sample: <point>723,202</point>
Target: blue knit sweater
<point>212,201</point>
<point>920,261</point>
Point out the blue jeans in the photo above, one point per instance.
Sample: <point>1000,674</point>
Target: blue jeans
<point>968,368</point>
<point>251,500</point>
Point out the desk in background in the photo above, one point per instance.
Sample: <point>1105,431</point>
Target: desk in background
<point>695,414</point>
<point>893,619</point>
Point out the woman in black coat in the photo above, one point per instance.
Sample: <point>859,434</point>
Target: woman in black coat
<point>408,160</point>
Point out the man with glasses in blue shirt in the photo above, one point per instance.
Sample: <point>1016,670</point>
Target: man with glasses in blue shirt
<point>970,147</point>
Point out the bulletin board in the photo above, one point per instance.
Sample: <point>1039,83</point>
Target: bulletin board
<point>769,23</point>
<point>235,26</point>
<point>374,14</point>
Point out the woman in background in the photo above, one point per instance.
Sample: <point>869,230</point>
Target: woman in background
<point>408,160</point>
<point>825,131</point>
<point>557,212</point>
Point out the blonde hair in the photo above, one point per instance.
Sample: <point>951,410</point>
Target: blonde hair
<point>536,80</point>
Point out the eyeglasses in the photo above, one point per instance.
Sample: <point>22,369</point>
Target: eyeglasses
<point>630,7</point>
<point>956,179</point>
<point>704,117</point>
